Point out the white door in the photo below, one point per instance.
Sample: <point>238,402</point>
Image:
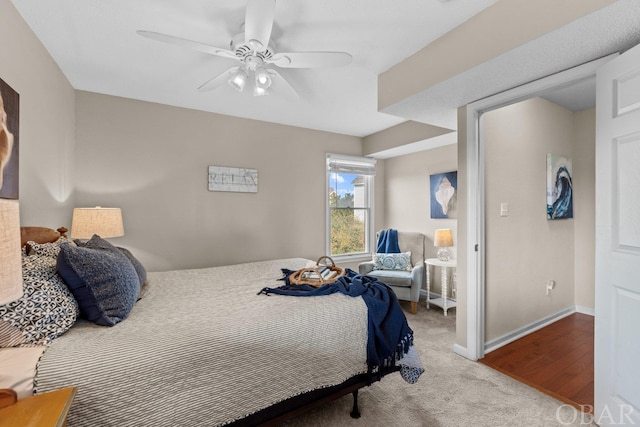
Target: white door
<point>617,319</point>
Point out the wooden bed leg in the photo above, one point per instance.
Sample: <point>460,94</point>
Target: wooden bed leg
<point>414,307</point>
<point>355,413</point>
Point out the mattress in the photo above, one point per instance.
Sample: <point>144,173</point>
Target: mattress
<point>203,348</point>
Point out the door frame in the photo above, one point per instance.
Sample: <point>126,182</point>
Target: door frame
<point>475,230</point>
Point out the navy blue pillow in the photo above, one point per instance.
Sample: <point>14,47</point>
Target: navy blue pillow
<point>101,278</point>
<point>142,273</point>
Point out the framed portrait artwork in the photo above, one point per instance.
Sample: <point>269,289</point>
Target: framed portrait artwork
<point>9,136</point>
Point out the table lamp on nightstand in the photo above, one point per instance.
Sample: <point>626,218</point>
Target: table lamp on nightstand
<point>105,222</point>
<point>442,240</point>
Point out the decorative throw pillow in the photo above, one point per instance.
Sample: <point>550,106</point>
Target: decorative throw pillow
<point>101,277</point>
<point>140,270</point>
<point>46,249</point>
<point>393,261</point>
<point>46,309</point>
<point>142,273</point>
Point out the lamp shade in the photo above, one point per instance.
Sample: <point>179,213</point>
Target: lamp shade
<point>443,238</point>
<point>105,222</point>
<point>10,255</point>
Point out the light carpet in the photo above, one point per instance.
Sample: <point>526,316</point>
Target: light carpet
<point>453,391</point>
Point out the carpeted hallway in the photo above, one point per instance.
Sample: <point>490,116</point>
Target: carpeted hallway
<point>452,392</point>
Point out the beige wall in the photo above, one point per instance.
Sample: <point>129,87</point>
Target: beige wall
<point>525,250</point>
<point>584,166</point>
<point>407,204</point>
<point>46,122</point>
<point>151,160</point>
<point>406,187</point>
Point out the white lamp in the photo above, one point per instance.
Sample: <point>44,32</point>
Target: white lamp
<point>105,222</point>
<point>10,255</point>
<point>443,239</point>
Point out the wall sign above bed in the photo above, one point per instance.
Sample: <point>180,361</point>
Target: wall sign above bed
<point>239,180</point>
<point>9,121</point>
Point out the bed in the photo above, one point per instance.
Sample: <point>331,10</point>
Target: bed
<point>206,347</point>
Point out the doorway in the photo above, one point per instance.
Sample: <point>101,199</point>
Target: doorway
<point>474,258</point>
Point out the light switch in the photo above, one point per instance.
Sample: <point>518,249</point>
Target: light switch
<point>504,209</point>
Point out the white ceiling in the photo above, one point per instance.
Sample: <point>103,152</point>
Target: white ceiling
<point>95,44</point>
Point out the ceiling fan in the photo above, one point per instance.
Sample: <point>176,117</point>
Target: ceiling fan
<point>255,52</point>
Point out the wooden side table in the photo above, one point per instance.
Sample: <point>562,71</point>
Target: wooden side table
<point>42,410</point>
<point>444,301</point>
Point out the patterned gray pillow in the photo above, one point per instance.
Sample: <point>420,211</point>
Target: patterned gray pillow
<point>46,309</point>
<point>46,249</point>
<point>392,261</point>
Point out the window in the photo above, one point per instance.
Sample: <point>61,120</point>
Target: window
<point>349,204</point>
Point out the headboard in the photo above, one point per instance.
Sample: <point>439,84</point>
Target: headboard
<point>40,234</point>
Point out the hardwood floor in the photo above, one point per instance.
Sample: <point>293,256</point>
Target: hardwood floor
<point>557,360</point>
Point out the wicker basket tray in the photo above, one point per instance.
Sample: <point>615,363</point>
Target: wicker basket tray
<point>301,277</point>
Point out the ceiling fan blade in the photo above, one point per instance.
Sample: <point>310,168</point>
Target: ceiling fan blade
<point>165,38</point>
<point>218,80</point>
<point>258,23</point>
<point>283,87</point>
<point>310,59</point>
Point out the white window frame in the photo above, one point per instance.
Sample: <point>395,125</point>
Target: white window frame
<point>356,165</point>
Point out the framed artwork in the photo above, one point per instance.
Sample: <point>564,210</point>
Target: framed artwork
<point>240,180</point>
<point>9,136</point>
<point>444,194</point>
<point>559,187</point>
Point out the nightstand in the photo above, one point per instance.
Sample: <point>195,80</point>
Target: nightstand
<point>445,302</point>
<point>42,410</point>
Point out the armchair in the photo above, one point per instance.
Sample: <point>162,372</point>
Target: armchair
<point>405,284</point>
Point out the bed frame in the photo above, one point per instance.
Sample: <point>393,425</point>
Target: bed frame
<point>40,234</point>
<point>274,414</point>
<point>297,405</point>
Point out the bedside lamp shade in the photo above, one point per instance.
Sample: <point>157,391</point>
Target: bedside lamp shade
<point>443,239</point>
<point>105,222</point>
<point>10,255</point>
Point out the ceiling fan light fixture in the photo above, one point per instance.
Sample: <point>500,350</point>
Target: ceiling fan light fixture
<point>259,91</point>
<point>262,81</point>
<point>238,80</point>
<point>262,77</point>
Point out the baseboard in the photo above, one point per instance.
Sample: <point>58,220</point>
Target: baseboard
<point>496,343</point>
<point>585,310</point>
<point>461,351</point>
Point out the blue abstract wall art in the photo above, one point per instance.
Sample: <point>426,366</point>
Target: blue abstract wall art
<point>559,187</point>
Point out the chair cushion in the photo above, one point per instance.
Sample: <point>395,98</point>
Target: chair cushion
<point>393,277</point>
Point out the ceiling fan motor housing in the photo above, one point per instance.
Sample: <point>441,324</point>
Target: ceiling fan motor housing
<point>244,51</point>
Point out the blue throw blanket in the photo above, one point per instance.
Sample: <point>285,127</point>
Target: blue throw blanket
<point>388,242</point>
<point>389,335</point>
